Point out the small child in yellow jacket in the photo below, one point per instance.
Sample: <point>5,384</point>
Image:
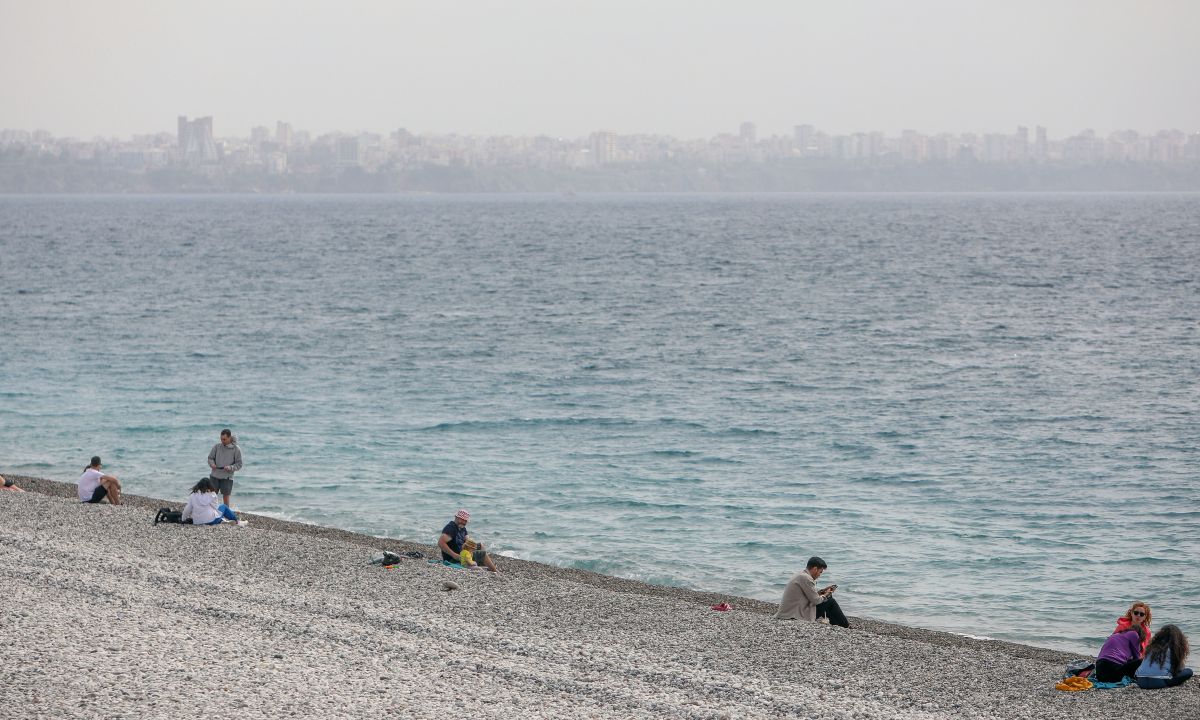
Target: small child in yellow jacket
<point>467,552</point>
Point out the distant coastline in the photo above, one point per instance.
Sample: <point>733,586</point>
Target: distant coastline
<point>56,488</point>
<point>785,175</point>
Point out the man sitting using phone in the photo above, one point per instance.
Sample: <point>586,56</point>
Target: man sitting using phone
<point>802,600</point>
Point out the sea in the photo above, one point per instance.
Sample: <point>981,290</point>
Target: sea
<point>980,410</point>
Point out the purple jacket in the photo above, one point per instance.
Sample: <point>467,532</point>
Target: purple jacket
<point>1121,647</point>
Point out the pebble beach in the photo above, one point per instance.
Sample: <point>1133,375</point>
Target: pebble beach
<point>108,616</point>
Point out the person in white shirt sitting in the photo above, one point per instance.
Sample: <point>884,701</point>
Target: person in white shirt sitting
<point>204,507</point>
<point>95,486</point>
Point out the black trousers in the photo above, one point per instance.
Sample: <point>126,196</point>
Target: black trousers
<point>830,609</point>
<point>1111,672</point>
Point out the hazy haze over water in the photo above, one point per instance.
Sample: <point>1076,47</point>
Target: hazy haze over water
<point>569,68</point>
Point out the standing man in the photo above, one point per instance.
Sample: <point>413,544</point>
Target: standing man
<point>223,461</point>
<point>802,600</point>
<point>454,536</point>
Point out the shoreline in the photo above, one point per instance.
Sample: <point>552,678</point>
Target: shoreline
<point>58,488</point>
<point>545,641</point>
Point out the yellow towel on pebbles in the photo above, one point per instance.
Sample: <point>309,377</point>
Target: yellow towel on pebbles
<point>1074,684</point>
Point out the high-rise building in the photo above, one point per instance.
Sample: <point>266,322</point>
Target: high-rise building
<point>913,147</point>
<point>604,147</point>
<point>349,152</point>
<point>1041,145</point>
<point>1020,146</point>
<point>260,135</point>
<point>995,148</point>
<point>748,133</point>
<point>196,145</point>
<point>283,134</point>
<point>874,144</point>
<point>804,139</point>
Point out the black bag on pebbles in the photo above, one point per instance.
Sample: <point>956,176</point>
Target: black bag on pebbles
<point>167,515</point>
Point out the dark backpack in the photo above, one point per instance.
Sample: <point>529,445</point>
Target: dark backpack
<point>167,515</point>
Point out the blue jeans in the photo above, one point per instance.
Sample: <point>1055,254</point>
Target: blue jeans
<point>226,514</point>
<point>1160,683</point>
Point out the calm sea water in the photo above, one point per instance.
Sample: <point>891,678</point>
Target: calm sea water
<point>980,410</point>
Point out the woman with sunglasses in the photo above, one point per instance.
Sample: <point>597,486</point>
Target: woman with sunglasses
<point>1137,614</point>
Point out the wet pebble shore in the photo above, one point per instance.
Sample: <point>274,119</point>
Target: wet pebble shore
<point>108,616</point>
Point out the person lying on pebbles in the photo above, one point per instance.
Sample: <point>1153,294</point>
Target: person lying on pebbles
<point>9,485</point>
<point>802,601</point>
<point>454,536</point>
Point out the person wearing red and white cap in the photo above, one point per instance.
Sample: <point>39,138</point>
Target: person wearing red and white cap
<point>454,536</point>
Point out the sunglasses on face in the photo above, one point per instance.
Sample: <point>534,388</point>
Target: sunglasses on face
<point>1140,613</point>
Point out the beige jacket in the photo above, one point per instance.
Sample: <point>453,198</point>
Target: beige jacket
<point>800,599</point>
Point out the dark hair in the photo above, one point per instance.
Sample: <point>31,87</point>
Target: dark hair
<point>815,561</point>
<point>1171,638</point>
<point>205,485</point>
<point>226,432</point>
<point>95,462</point>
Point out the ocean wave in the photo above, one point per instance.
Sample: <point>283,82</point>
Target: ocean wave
<point>715,460</point>
<point>148,429</point>
<point>551,422</point>
<point>746,431</point>
<point>672,453</point>
<point>476,425</point>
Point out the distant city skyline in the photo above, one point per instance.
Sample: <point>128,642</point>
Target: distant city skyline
<point>746,129</point>
<point>530,67</point>
<point>288,159</point>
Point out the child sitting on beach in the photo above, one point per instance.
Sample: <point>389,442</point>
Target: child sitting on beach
<point>465,556</point>
<point>453,541</point>
<point>204,507</point>
<point>1163,665</point>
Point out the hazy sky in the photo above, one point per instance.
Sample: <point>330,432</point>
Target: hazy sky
<point>684,67</point>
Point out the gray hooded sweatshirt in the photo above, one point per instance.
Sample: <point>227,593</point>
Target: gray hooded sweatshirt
<point>222,455</point>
